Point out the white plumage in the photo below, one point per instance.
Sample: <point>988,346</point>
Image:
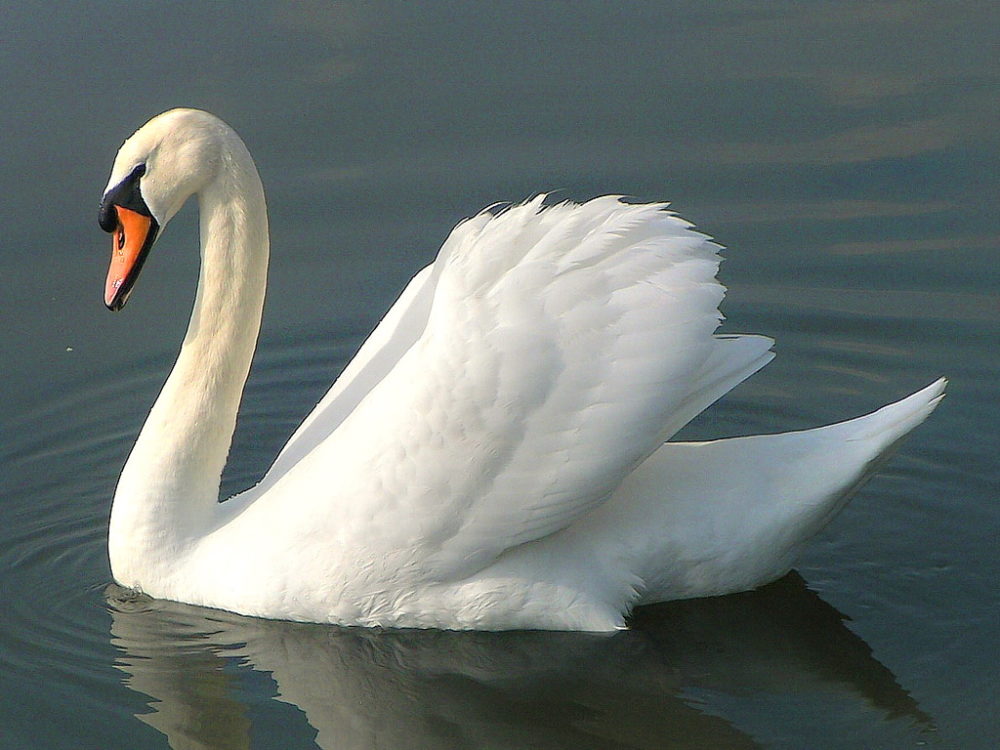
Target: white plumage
<point>494,456</point>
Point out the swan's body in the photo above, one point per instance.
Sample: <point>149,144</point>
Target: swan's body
<point>494,456</point>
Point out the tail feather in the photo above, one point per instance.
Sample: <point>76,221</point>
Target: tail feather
<point>896,420</point>
<point>701,519</point>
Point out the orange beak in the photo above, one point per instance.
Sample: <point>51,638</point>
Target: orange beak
<point>130,243</point>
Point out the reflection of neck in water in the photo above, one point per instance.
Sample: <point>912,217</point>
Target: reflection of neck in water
<point>366,688</point>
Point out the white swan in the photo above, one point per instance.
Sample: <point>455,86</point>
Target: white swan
<point>494,456</point>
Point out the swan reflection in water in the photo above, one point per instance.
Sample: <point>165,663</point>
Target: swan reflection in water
<point>667,680</point>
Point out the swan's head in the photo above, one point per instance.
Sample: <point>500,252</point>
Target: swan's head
<point>166,161</point>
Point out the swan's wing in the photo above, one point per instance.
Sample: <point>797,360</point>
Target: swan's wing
<point>394,335</point>
<point>559,343</point>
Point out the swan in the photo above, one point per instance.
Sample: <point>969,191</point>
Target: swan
<point>495,456</point>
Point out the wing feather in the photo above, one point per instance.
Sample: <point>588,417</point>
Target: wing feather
<point>394,335</point>
<point>558,345</point>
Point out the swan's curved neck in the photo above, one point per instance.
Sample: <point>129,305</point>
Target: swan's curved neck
<point>168,491</point>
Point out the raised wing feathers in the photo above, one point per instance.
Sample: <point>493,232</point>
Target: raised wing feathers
<point>558,343</point>
<point>394,335</point>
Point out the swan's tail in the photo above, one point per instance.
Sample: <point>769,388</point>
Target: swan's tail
<point>701,519</point>
<point>891,423</point>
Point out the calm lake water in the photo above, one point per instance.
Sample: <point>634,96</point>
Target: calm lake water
<point>844,152</point>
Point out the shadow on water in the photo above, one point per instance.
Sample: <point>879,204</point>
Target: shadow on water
<point>663,683</point>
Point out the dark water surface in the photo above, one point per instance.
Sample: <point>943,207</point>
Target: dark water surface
<point>845,152</point>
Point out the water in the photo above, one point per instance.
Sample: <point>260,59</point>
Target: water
<point>845,152</point>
